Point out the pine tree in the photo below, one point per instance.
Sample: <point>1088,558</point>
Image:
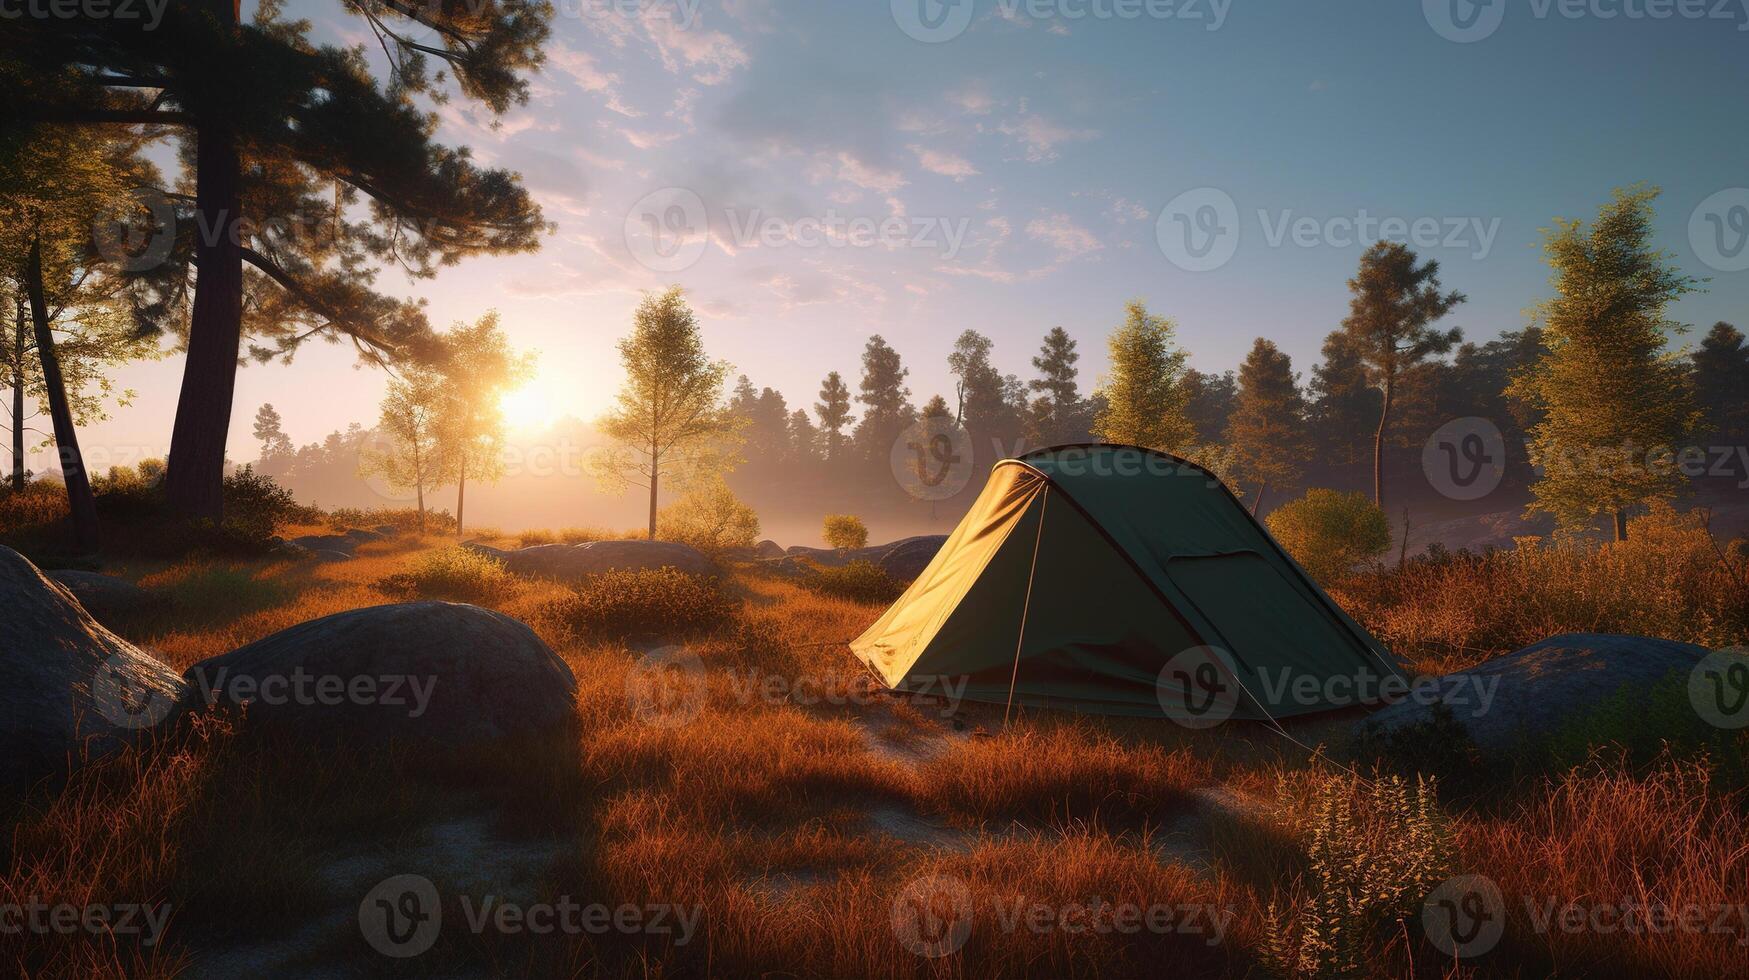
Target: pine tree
<point>268,432</point>
<point>833,408</point>
<point>1209,402</point>
<point>1058,414</point>
<point>1721,380</point>
<point>1611,395</point>
<point>1267,435</point>
<point>1144,394</point>
<point>1344,404</point>
<point>1390,320</point>
<point>670,421</point>
<point>280,129</point>
<point>887,400</point>
<point>804,439</point>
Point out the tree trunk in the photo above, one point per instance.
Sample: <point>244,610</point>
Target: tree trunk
<point>655,478</point>
<point>461,491</point>
<point>195,477</point>
<point>79,499</point>
<point>1257,501</point>
<point>18,348</point>
<point>419,491</point>
<point>1621,525</point>
<point>1378,446</point>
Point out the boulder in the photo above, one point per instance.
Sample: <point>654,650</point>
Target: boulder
<point>574,562</point>
<point>768,549</point>
<point>906,560</point>
<point>362,534</point>
<point>69,688</point>
<point>1528,695</point>
<point>386,530</point>
<point>485,549</point>
<point>105,597</point>
<point>433,672</point>
<point>326,542</point>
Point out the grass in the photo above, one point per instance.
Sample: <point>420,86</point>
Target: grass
<point>770,790</point>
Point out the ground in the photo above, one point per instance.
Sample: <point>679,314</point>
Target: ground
<point>739,798</point>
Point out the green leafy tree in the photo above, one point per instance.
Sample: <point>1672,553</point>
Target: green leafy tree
<point>670,421</point>
<point>479,368</point>
<point>833,408</point>
<point>1612,397</point>
<point>1390,323</point>
<point>412,425</point>
<point>1144,394</point>
<point>845,532</point>
<point>887,400</point>
<point>1329,531</point>
<point>304,174</point>
<point>1267,434</point>
<point>1721,380</point>
<point>1209,402</point>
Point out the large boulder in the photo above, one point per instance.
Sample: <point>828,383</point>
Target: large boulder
<point>574,562</point>
<point>1526,696</point>
<point>768,549</point>
<point>906,560</point>
<point>106,597</point>
<point>432,672</point>
<point>341,543</point>
<point>69,688</point>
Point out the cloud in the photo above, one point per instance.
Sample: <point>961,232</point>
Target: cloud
<point>1061,232</point>
<point>711,56</point>
<point>589,76</point>
<point>945,164</point>
<point>868,176</point>
<point>1039,137</point>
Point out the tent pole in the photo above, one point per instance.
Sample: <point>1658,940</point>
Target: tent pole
<point>1026,605</point>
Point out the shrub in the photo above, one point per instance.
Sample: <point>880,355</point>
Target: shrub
<point>39,503</point>
<point>859,581</point>
<point>452,573</point>
<point>400,518</point>
<point>710,518</point>
<point>255,507</point>
<point>1330,532</point>
<point>662,601</point>
<point>845,531</point>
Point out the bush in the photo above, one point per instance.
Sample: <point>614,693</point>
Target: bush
<point>40,503</point>
<point>663,601</point>
<point>845,532</point>
<point>400,518</point>
<point>710,518</point>
<point>255,507</point>
<point>1330,532</point>
<point>452,573</point>
<point>859,581</point>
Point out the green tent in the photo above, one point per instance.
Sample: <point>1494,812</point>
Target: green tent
<point>1120,580</point>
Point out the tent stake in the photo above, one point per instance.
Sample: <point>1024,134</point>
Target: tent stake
<point>1026,605</point>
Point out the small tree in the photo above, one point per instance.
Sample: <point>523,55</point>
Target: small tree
<point>1267,432</point>
<point>834,411</point>
<point>845,532</point>
<point>1611,395</point>
<point>711,518</point>
<point>1058,415</point>
<point>670,420</point>
<point>1329,532</point>
<point>411,420</point>
<point>1144,395</point>
<point>479,367</point>
<point>1721,380</point>
<point>270,434</point>
<point>1390,321</point>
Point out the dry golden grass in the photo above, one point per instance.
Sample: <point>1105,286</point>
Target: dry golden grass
<point>754,777</point>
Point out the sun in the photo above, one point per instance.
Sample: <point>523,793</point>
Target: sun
<point>526,407</point>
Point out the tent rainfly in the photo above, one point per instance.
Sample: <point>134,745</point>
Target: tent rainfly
<point>1119,580</point>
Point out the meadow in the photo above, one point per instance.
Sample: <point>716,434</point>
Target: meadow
<point>761,790</point>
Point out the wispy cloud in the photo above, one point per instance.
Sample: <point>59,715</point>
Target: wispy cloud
<point>943,163</point>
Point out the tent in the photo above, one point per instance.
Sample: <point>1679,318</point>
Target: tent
<point>1120,580</point>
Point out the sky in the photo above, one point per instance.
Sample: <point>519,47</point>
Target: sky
<point>815,172</point>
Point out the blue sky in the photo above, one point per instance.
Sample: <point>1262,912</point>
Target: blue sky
<point>1022,168</point>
